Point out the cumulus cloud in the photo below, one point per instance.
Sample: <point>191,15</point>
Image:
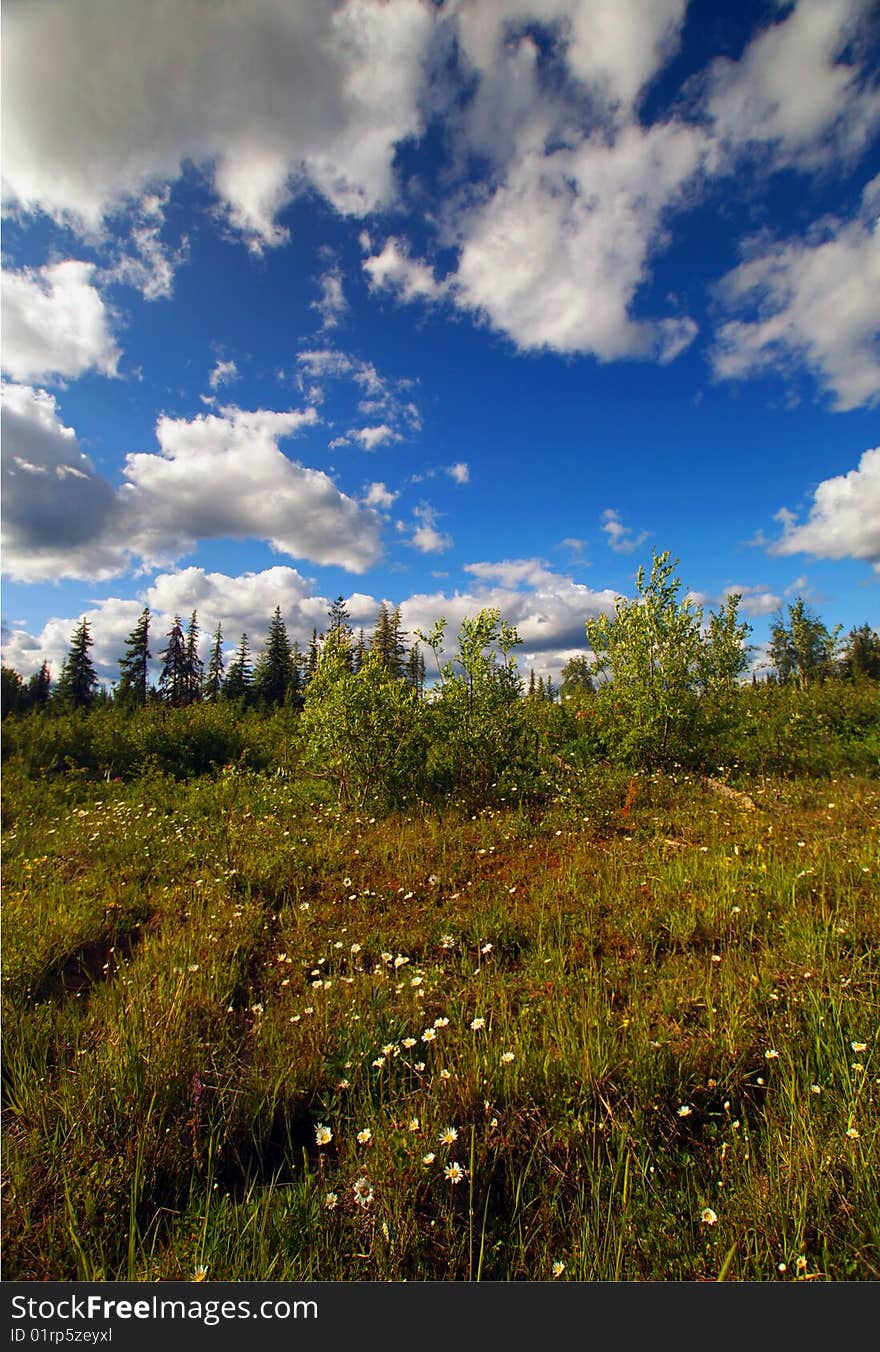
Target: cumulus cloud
<point>338,88</point>
<point>620,537</point>
<point>426,538</point>
<point>548,609</point>
<point>814,303</point>
<point>217,476</point>
<point>802,87</point>
<point>225,476</point>
<point>392,269</point>
<point>460,472</point>
<point>59,515</point>
<point>756,600</point>
<point>55,323</point>
<point>612,46</point>
<point>377,495</point>
<point>844,519</point>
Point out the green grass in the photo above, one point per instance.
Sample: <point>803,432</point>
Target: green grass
<point>198,974</point>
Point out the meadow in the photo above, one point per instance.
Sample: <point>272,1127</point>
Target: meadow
<point>624,1027</point>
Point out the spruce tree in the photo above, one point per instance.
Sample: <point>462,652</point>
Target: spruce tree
<point>40,688</point>
<point>213,683</point>
<point>134,664</point>
<point>78,683</point>
<point>273,676</point>
<point>174,681</point>
<point>194,664</point>
<point>240,674</point>
<point>415,669</point>
<point>387,640</point>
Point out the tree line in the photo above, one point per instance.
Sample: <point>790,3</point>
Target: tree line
<point>801,652</point>
<point>277,676</point>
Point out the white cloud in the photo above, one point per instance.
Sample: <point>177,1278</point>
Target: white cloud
<point>378,495</point>
<point>372,437</point>
<point>151,267</point>
<point>817,303</point>
<point>612,46</point>
<point>756,600</point>
<point>547,609</point>
<point>224,373</point>
<point>55,324</point>
<point>269,96</point>
<point>800,86</point>
<point>844,519</point>
<point>394,270</point>
<point>621,538</point>
<point>225,476</point>
<point>332,305</point>
<point>217,476</point>
<point>426,538</point>
<point>460,472</point>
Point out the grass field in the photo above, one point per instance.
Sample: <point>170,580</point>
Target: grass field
<point>631,1033</point>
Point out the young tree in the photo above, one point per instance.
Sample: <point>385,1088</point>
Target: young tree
<point>576,678</point>
<point>78,682</point>
<point>274,672</point>
<point>240,674</point>
<point>213,683</point>
<point>174,680</point>
<point>803,650</point>
<point>134,664</point>
<point>662,670</point>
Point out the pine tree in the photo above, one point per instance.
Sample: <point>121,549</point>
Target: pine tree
<point>296,688</point>
<point>192,678</point>
<point>360,652</point>
<point>173,681</point>
<point>213,683</point>
<point>274,672</point>
<point>78,682</point>
<point>133,665</point>
<point>240,674</point>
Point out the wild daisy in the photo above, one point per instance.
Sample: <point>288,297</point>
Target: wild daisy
<point>454,1172</point>
<point>363,1191</point>
<point>708,1216</point>
<point>448,1135</point>
<point>558,1268</point>
<point>323,1134</point>
<point>365,1137</point>
<point>478,1023</point>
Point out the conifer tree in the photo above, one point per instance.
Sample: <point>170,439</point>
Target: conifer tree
<point>339,629</point>
<point>415,669</point>
<point>194,665</point>
<point>861,655</point>
<point>311,665</point>
<point>78,682</point>
<point>240,674</point>
<point>134,664</point>
<point>173,680</point>
<point>388,640</point>
<point>274,673</point>
<point>213,683</point>
<point>40,688</point>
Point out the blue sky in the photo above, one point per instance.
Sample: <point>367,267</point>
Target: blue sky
<point>445,304</point>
